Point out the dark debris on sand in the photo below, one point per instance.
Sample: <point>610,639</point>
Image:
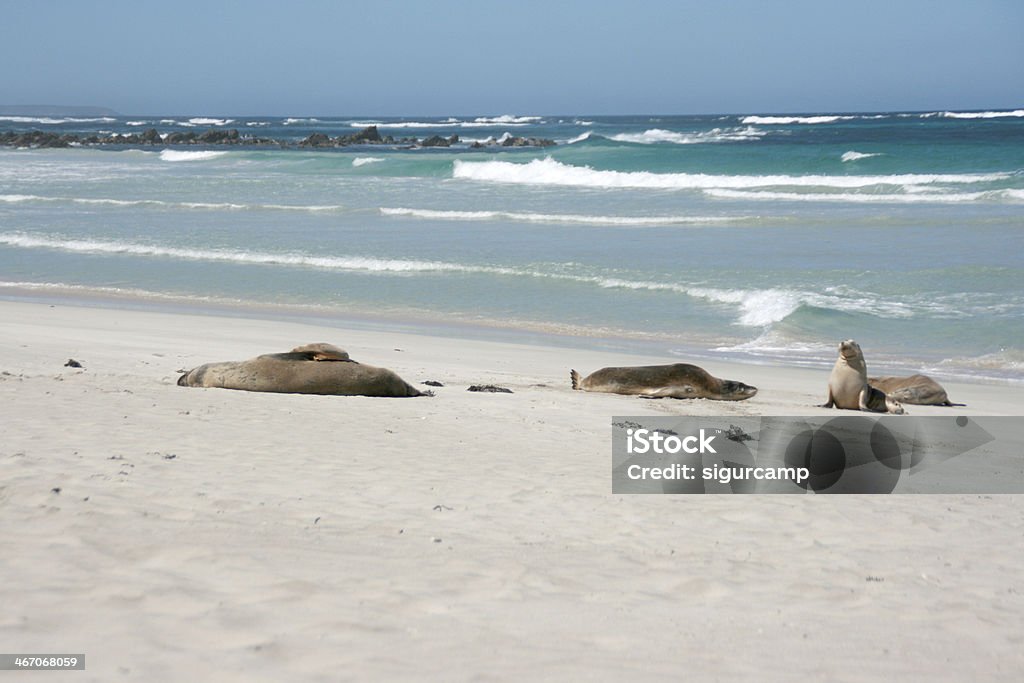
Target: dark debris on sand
<point>489,388</point>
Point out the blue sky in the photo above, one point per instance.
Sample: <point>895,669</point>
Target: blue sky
<point>397,57</point>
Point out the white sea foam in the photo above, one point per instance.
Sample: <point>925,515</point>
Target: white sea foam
<point>114,291</point>
<point>761,308</point>
<point>754,308</point>
<point>451,123</point>
<point>136,123</point>
<point>915,195</point>
<point>204,121</point>
<point>18,198</point>
<point>1012,359</point>
<point>548,171</point>
<point>554,218</point>
<point>363,161</point>
<point>787,120</point>
<point>400,124</point>
<point>758,308</point>
<point>354,263</point>
<point>772,342</point>
<point>50,121</point>
<point>579,138</point>
<point>182,155</point>
<point>293,121</point>
<point>1017,113</point>
<point>656,135</point>
<point>855,156</point>
<point>507,118</point>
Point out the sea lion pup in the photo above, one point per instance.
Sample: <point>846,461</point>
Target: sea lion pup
<point>848,386</point>
<point>919,390</point>
<point>309,369</point>
<point>679,380</point>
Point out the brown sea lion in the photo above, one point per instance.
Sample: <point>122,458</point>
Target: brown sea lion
<point>848,386</point>
<point>679,380</point>
<point>309,369</point>
<point>920,390</point>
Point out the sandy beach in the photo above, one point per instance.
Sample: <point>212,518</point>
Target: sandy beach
<point>171,532</point>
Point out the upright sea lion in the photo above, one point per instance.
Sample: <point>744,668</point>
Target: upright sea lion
<point>920,390</point>
<point>848,386</point>
<point>309,369</point>
<point>679,380</point>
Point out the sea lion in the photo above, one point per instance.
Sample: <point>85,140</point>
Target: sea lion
<point>310,369</point>
<point>679,380</point>
<point>919,390</point>
<point>848,386</point>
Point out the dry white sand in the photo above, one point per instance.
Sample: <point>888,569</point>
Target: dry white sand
<point>205,534</point>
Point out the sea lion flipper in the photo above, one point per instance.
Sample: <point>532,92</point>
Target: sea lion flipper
<point>575,377</point>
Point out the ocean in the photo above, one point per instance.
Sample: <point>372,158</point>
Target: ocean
<point>757,238</point>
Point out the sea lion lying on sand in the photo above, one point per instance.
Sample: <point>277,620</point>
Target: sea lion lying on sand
<point>920,390</point>
<point>309,369</point>
<point>679,380</point>
<point>848,386</point>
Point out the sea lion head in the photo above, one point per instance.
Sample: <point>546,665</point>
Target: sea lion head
<point>736,391</point>
<point>850,349</point>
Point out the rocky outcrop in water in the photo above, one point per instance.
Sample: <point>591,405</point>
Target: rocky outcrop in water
<point>513,141</point>
<point>230,136</point>
<point>367,136</point>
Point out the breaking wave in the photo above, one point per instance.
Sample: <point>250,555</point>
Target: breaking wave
<point>479,122</point>
<point>856,156</point>
<point>180,155</point>
<point>912,197</point>
<point>788,120</point>
<point>50,121</point>
<point>19,198</point>
<point>547,171</point>
<point>754,307</point>
<point>1017,113</point>
<point>657,135</point>
<point>554,218</point>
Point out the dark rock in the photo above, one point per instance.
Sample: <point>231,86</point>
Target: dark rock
<point>181,138</point>
<point>433,383</point>
<point>513,141</point>
<point>435,141</point>
<point>152,137</point>
<point>368,134</point>
<point>38,138</point>
<point>317,140</point>
<point>220,137</point>
<point>72,363</point>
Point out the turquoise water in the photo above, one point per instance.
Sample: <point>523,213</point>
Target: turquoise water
<point>761,238</point>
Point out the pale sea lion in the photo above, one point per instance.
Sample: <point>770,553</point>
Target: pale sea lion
<point>309,369</point>
<point>679,380</point>
<point>920,390</point>
<point>848,386</point>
